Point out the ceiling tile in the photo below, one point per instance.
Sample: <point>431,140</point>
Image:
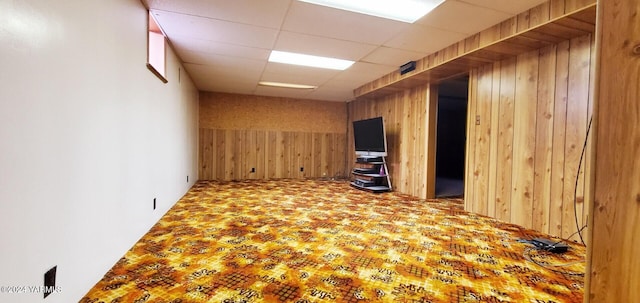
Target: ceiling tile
<point>289,78</point>
<point>331,94</point>
<point>340,85</point>
<point>361,73</point>
<point>218,80</point>
<point>424,39</point>
<point>225,45</point>
<point>282,92</point>
<point>393,56</point>
<point>279,72</point>
<point>220,61</point>
<point>328,22</point>
<point>462,17</point>
<point>254,12</point>
<point>182,43</point>
<point>322,46</point>
<point>215,30</point>
<point>507,6</point>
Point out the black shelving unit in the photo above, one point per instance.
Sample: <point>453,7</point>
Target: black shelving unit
<point>371,174</point>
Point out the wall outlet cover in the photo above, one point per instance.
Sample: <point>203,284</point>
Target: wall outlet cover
<point>50,281</point>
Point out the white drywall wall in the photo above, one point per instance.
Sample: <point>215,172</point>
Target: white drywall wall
<point>88,137</point>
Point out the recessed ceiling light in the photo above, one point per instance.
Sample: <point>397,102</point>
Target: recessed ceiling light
<point>309,60</point>
<point>401,10</point>
<point>287,85</point>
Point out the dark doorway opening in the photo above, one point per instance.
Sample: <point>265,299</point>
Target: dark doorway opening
<point>453,98</point>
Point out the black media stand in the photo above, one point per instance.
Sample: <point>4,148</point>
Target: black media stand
<point>371,174</point>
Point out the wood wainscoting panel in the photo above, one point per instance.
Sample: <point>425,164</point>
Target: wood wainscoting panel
<point>615,266</point>
<point>470,147</point>
<point>557,196</point>
<point>257,137</point>
<point>576,130</point>
<point>240,154</point>
<point>507,82</point>
<point>524,139</point>
<point>527,176</point>
<point>544,139</point>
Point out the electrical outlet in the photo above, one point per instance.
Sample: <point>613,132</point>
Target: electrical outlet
<point>478,120</point>
<point>154,203</point>
<point>253,169</point>
<point>301,168</point>
<point>50,281</point>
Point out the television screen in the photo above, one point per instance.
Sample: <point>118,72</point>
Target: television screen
<point>369,137</point>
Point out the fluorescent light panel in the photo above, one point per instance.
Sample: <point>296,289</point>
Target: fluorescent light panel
<point>308,60</point>
<point>287,85</point>
<point>401,10</point>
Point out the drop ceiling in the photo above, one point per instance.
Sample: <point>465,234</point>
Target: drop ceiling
<point>224,45</point>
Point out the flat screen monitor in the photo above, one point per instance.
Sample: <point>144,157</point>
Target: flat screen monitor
<point>369,137</point>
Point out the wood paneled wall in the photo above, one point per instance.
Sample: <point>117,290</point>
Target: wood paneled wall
<point>409,131</point>
<point>534,109</point>
<point>236,111</point>
<point>615,266</point>
<point>256,137</point>
<point>523,156</point>
<point>230,154</point>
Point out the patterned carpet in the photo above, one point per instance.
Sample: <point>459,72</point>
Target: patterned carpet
<point>324,241</point>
